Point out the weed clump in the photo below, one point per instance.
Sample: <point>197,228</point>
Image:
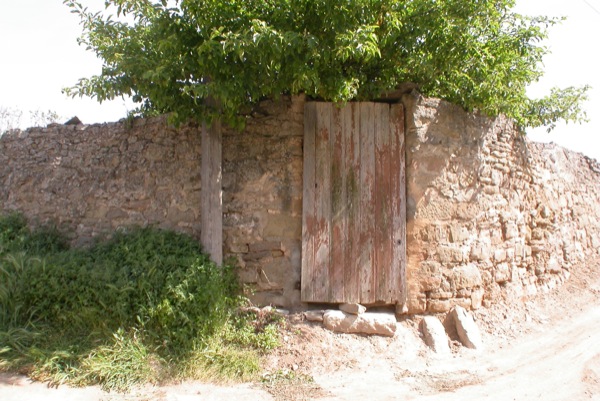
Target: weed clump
<point>144,306</point>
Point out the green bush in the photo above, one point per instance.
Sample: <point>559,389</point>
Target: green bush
<point>98,315</point>
<point>13,231</point>
<point>15,236</point>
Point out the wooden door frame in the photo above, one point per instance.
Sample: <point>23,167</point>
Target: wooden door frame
<point>332,136</point>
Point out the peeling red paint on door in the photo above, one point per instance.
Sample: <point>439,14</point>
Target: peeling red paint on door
<point>354,209</point>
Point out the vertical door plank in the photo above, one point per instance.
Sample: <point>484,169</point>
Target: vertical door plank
<point>323,202</point>
<point>211,204</point>
<point>352,272</point>
<point>367,182</point>
<point>339,208</point>
<point>308,204</point>
<point>398,190</point>
<point>378,203</point>
<point>382,204</point>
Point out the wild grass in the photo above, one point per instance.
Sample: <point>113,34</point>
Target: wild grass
<point>145,306</point>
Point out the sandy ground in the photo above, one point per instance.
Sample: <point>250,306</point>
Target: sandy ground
<point>541,348</point>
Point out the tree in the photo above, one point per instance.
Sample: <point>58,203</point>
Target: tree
<point>201,58</point>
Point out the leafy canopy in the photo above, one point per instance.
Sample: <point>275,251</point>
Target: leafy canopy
<point>200,58</point>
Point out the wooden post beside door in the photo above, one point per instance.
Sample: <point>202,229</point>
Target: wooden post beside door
<point>211,207</point>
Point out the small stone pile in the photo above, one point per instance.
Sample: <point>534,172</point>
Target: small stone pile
<point>354,318</point>
<point>458,323</point>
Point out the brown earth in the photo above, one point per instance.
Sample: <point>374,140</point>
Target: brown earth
<point>544,347</point>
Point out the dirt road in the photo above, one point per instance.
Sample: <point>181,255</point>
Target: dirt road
<point>556,361</point>
<point>560,363</point>
<point>553,356</point>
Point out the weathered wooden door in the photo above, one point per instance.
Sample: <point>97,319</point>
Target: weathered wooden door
<point>354,211</point>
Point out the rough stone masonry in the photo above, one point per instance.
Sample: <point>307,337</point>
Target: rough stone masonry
<point>90,180</point>
<point>488,212</point>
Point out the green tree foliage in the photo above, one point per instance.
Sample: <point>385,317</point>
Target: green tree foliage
<point>173,56</point>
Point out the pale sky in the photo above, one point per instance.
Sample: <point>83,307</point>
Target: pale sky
<point>574,61</point>
<point>40,56</point>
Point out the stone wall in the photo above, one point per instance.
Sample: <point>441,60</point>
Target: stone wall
<point>490,213</point>
<point>89,180</point>
<point>262,201</point>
